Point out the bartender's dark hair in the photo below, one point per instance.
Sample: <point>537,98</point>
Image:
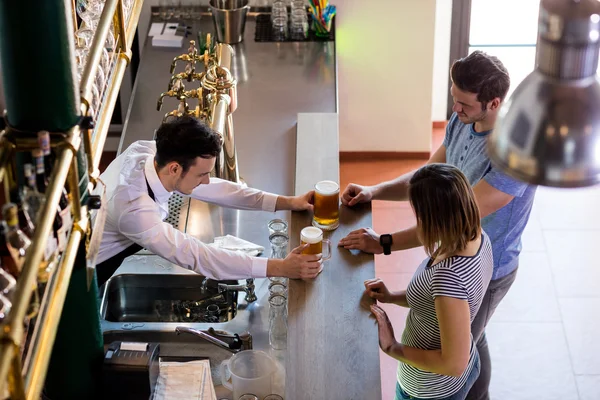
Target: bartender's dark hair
<point>183,139</point>
<point>445,207</point>
<point>482,74</point>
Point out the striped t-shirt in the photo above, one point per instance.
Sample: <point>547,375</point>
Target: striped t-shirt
<point>461,277</point>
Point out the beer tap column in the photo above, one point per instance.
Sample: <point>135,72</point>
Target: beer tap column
<point>222,102</point>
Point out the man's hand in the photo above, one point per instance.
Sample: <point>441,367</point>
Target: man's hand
<point>354,194</point>
<point>301,266</point>
<point>386,332</point>
<point>377,290</point>
<point>364,239</point>
<point>296,203</point>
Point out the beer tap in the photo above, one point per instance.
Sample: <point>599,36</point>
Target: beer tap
<point>191,57</point>
<point>177,91</point>
<point>190,77</point>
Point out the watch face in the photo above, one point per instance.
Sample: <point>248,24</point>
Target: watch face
<point>386,239</point>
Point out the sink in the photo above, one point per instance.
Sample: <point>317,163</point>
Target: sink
<point>167,298</point>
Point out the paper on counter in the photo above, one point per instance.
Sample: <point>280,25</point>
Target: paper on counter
<point>133,346</point>
<point>184,381</point>
<point>156,29</point>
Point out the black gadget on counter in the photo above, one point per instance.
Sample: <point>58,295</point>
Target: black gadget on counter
<point>130,374</point>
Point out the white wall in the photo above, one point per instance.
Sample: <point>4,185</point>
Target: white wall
<point>385,59</point>
<point>441,59</point>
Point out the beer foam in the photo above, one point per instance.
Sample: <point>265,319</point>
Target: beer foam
<point>311,235</point>
<point>327,187</point>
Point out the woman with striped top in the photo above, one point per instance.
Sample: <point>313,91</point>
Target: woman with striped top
<point>438,359</point>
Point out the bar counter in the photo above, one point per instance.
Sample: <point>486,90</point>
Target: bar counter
<point>332,350</point>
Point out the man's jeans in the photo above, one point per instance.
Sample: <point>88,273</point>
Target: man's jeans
<point>496,291</point>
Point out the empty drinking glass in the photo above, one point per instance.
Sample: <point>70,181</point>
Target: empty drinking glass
<point>279,245</point>
<point>273,397</point>
<point>298,30</point>
<point>298,24</point>
<point>277,226</point>
<point>278,287</point>
<point>279,9</point>
<point>278,321</point>
<point>298,4</point>
<point>280,29</point>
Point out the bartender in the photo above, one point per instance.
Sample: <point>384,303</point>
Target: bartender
<point>139,183</point>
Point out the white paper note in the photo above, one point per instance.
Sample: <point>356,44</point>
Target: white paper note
<point>133,346</point>
<point>185,381</point>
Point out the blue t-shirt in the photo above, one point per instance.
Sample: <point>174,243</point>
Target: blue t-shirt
<point>466,150</point>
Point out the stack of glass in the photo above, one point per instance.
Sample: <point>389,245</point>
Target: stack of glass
<point>278,237</point>
<point>90,11</point>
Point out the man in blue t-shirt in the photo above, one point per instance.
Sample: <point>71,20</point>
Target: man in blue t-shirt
<point>480,83</point>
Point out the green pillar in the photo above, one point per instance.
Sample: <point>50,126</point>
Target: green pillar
<point>36,43</point>
<point>76,363</point>
<point>38,75</point>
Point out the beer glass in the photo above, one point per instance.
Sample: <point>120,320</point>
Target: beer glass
<point>327,205</point>
<point>314,238</point>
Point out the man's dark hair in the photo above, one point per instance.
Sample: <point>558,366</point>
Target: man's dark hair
<point>183,139</point>
<point>482,74</point>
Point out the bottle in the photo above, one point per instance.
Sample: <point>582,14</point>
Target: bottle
<point>14,236</point>
<point>23,213</point>
<point>32,197</point>
<point>41,182</point>
<point>34,200</point>
<point>8,262</point>
<point>44,143</point>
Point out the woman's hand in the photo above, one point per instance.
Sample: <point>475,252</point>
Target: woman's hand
<point>364,239</point>
<point>386,332</point>
<point>377,290</point>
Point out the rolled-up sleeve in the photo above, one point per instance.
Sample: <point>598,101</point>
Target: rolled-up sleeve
<point>234,195</point>
<point>139,221</point>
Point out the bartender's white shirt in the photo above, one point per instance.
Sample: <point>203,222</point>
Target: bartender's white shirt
<point>133,217</point>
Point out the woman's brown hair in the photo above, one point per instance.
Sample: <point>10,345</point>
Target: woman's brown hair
<point>447,213</point>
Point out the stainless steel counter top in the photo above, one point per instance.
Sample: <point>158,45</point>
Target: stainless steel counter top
<point>276,81</point>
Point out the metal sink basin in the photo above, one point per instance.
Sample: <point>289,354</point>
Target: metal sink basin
<point>167,298</point>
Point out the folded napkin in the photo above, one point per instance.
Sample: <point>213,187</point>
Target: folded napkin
<point>233,243</point>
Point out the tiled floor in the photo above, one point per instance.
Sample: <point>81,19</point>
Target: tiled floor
<point>543,337</point>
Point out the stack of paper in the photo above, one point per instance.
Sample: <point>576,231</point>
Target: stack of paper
<point>184,381</point>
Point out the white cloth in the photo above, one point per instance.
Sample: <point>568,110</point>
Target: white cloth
<point>133,217</point>
<point>233,243</point>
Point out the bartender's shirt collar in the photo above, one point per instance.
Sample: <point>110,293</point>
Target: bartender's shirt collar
<point>156,185</point>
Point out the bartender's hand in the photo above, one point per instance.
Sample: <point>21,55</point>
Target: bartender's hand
<point>387,340</point>
<point>296,203</point>
<point>296,265</point>
<point>354,194</point>
<point>364,239</point>
<point>377,290</point>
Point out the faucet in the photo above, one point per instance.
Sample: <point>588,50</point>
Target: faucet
<point>204,286</point>
<point>239,342</point>
<point>248,288</point>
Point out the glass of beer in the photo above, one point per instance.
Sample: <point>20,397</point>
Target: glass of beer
<point>327,205</point>
<point>314,238</point>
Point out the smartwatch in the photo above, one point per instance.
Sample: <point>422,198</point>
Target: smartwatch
<point>386,242</point>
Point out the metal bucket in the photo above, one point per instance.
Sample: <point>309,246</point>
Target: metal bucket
<point>229,17</point>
